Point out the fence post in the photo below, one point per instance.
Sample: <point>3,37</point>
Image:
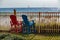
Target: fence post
<point>14,12</point>
<point>39,22</point>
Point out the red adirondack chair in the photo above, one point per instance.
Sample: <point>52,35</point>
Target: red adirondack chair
<point>15,25</point>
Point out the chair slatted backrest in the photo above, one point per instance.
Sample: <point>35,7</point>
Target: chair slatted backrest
<point>13,19</point>
<point>25,20</point>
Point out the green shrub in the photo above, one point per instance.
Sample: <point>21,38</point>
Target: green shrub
<point>3,36</point>
<point>12,38</point>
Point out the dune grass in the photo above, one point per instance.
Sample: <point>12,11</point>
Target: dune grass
<point>31,36</point>
<point>4,27</point>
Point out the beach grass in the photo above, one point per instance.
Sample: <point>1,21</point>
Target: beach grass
<point>32,36</point>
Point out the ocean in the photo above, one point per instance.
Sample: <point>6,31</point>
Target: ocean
<point>42,9</point>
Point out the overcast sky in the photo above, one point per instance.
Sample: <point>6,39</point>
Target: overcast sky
<point>29,3</point>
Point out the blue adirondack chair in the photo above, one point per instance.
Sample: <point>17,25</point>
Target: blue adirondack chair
<point>27,24</point>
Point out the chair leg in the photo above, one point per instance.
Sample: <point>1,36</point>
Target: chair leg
<point>16,29</point>
<point>20,28</point>
<point>29,30</point>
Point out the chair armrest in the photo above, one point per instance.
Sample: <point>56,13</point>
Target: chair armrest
<point>31,23</point>
<point>19,22</point>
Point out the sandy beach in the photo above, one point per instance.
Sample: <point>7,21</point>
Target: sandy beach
<point>5,22</point>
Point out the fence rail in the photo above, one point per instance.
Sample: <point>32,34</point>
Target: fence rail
<point>51,22</point>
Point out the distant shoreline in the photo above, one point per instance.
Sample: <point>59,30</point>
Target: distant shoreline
<point>41,9</point>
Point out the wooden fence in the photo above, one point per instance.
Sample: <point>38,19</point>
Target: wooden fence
<point>49,22</point>
<point>45,21</point>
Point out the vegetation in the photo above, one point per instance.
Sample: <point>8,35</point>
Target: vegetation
<point>51,27</point>
<point>10,36</point>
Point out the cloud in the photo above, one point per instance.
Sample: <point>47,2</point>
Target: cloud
<point>26,3</point>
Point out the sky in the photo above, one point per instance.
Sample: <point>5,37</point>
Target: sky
<point>29,3</point>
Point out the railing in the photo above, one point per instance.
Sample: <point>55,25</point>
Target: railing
<point>50,21</point>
